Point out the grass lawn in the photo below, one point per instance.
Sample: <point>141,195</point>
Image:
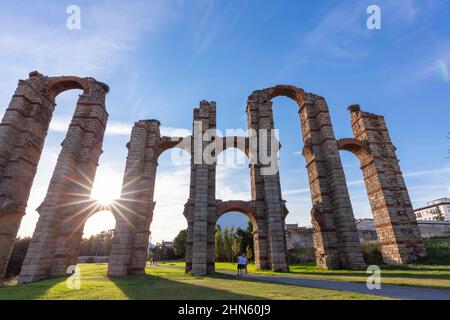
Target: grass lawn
<point>426,276</point>
<point>434,272</point>
<point>164,284</point>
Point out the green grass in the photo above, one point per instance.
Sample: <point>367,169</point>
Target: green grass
<point>438,250</point>
<point>433,272</point>
<point>164,284</point>
<point>426,276</point>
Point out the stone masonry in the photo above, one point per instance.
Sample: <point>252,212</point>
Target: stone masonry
<point>67,205</point>
<point>394,217</point>
<point>336,238</point>
<point>22,134</point>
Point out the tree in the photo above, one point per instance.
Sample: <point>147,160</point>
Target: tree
<point>249,253</point>
<point>17,257</point>
<point>219,244</point>
<point>97,245</point>
<point>179,244</point>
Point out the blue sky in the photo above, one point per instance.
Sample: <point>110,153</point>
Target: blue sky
<point>161,57</point>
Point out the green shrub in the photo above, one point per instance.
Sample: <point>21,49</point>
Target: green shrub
<point>301,255</point>
<point>17,257</point>
<point>438,250</point>
<point>372,252</point>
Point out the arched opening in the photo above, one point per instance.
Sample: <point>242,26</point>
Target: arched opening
<point>235,231</point>
<point>233,237</point>
<point>61,84</point>
<point>356,158</point>
<point>96,240</point>
<point>295,188</point>
<point>232,175</point>
<point>171,193</point>
<point>65,106</point>
<point>361,206</point>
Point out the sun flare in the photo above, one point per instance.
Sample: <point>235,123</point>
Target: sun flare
<point>106,189</point>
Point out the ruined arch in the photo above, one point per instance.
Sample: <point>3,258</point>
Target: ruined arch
<point>394,218</point>
<point>67,204</point>
<point>245,207</point>
<point>335,236</point>
<point>136,206</point>
<point>22,135</point>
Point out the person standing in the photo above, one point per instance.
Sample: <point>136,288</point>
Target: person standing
<point>240,265</point>
<point>245,263</point>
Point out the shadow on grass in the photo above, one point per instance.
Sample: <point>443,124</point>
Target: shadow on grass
<point>29,291</point>
<point>141,287</point>
<point>413,273</point>
<point>150,287</point>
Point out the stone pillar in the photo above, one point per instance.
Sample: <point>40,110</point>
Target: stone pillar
<point>52,246</point>
<point>135,208</point>
<point>9,225</point>
<point>394,217</point>
<point>266,191</point>
<point>22,134</point>
<point>188,213</point>
<point>335,236</point>
<point>202,202</point>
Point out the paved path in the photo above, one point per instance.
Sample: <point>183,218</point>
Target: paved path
<point>390,291</point>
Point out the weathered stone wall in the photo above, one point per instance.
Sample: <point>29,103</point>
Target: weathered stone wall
<point>434,229</point>
<point>134,210</point>
<point>22,134</point>
<point>394,216</point>
<point>336,239</point>
<point>67,205</point>
<point>202,203</point>
<point>266,189</point>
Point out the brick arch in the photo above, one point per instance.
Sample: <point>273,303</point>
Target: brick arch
<point>235,144</point>
<point>358,147</point>
<point>292,92</point>
<point>23,132</point>
<point>57,85</point>
<point>167,143</point>
<point>244,207</point>
<point>337,246</point>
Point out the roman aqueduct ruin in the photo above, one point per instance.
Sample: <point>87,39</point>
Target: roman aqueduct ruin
<point>67,205</point>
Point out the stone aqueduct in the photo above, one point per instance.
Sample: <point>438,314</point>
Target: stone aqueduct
<point>67,205</point>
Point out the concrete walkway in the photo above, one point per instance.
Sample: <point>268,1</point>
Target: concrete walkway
<point>390,291</point>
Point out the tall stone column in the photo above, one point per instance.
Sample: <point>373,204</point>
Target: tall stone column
<point>266,190</point>
<point>335,236</point>
<point>135,208</point>
<point>202,202</point>
<point>69,188</point>
<point>394,217</point>
<point>22,134</point>
<point>260,227</point>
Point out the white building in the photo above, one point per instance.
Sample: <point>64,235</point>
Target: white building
<point>437,210</point>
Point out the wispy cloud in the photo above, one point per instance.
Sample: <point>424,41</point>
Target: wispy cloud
<point>60,124</point>
<point>213,17</point>
<point>110,33</point>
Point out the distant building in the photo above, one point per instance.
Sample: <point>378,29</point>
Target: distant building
<point>302,237</point>
<point>436,210</point>
<point>167,244</point>
<point>428,229</point>
<point>299,237</point>
<point>366,230</point>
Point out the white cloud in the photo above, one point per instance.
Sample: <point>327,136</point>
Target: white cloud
<point>59,124</point>
<point>109,36</point>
